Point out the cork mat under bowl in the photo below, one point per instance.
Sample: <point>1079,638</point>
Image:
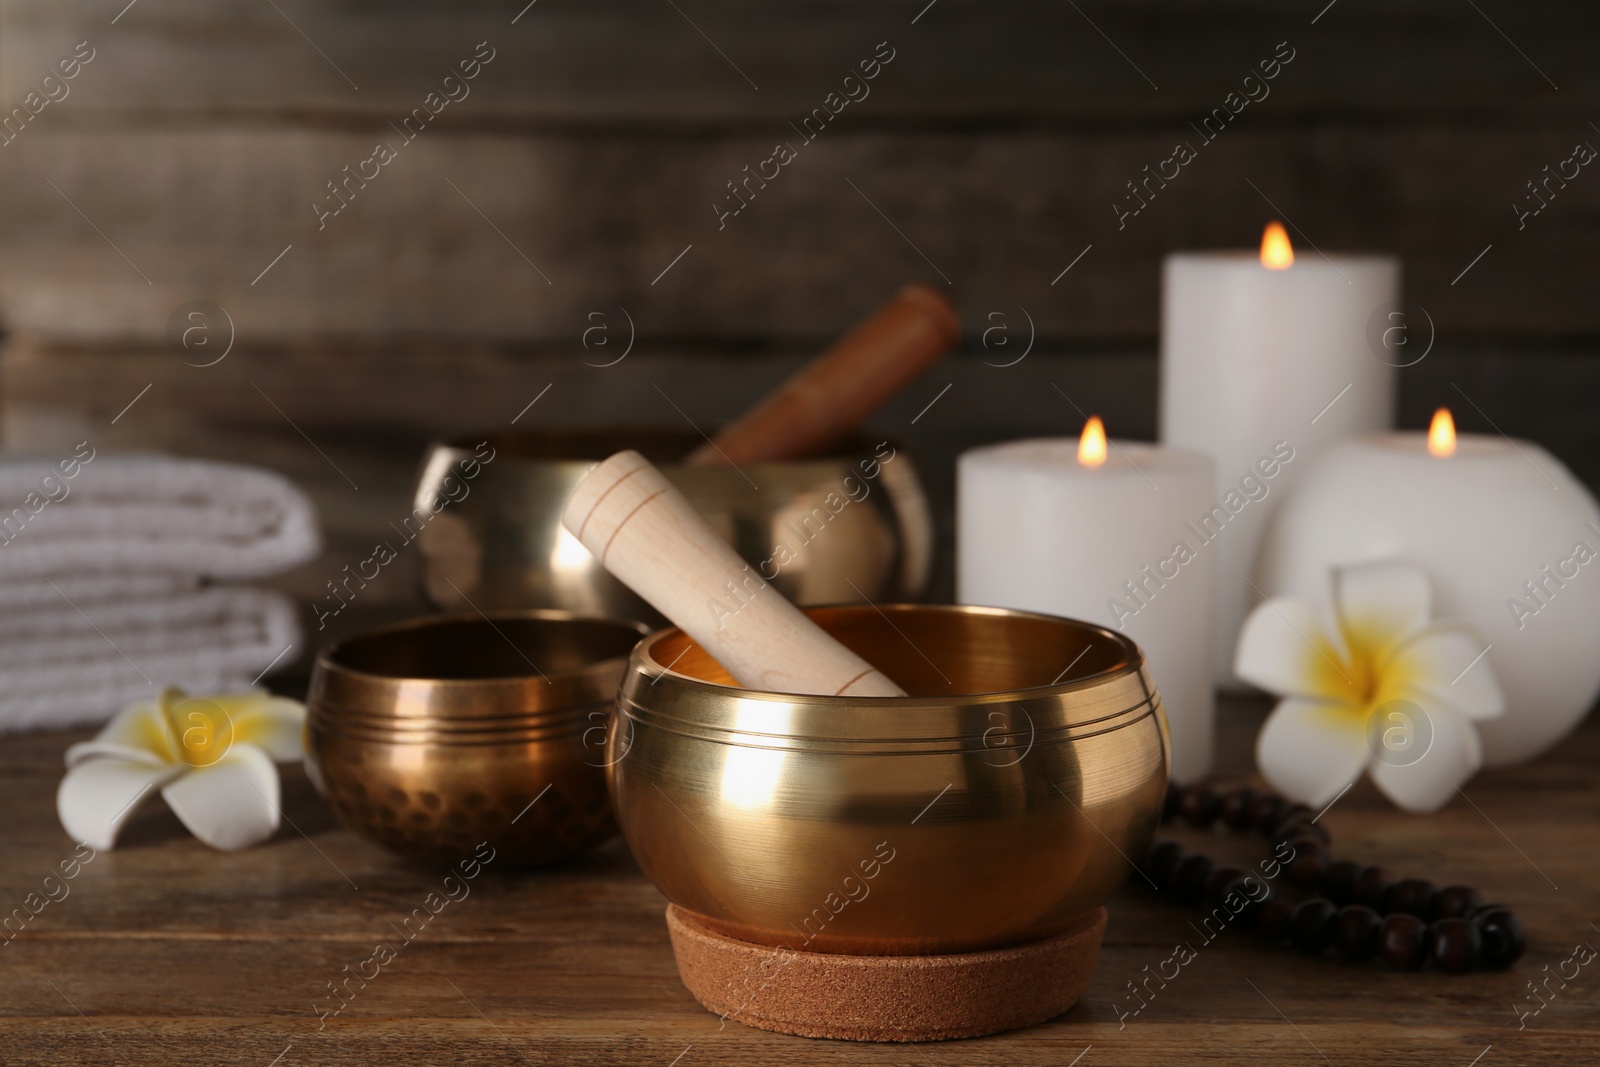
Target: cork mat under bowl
<point>885,998</point>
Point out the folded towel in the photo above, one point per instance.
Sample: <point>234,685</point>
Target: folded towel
<point>80,663</point>
<point>127,515</point>
<point>104,568</point>
<point>62,589</point>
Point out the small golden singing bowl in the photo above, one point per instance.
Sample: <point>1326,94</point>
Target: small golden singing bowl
<point>435,735</point>
<point>838,528</point>
<point>996,805</point>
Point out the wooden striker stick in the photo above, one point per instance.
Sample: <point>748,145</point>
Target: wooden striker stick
<point>836,392</point>
<point>644,531</point>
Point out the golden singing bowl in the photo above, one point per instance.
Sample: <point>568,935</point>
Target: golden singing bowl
<point>996,805</point>
<point>487,521</point>
<point>435,735</point>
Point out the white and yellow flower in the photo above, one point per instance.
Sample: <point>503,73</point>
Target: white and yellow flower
<point>211,757</point>
<point>1384,690</point>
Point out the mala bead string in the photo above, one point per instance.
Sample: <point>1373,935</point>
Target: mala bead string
<point>1360,910</point>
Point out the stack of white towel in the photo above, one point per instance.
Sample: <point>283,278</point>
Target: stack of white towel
<point>107,572</point>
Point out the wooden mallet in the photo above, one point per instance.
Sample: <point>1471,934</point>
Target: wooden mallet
<point>646,533</point>
<point>833,394</point>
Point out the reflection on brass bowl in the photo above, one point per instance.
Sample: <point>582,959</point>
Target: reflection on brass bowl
<point>856,524</point>
<point>995,806</point>
<point>437,734</point>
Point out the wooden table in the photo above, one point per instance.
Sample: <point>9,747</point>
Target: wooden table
<point>165,952</point>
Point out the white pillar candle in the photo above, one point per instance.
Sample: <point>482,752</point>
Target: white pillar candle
<point>1510,538</point>
<point>1262,348</point>
<point>1105,539</point>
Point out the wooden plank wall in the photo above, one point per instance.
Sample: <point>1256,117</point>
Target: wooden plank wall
<point>601,134</point>
<point>184,160</point>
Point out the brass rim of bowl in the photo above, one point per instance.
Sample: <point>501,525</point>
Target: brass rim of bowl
<point>665,446</point>
<point>575,720</point>
<point>745,737</point>
<point>554,695</point>
<point>577,450</point>
<point>426,737</point>
<point>381,732</point>
<point>1142,700</point>
<point>340,717</point>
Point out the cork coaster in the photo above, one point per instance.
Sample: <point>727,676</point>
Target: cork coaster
<point>885,998</point>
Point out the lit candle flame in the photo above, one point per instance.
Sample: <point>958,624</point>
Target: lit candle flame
<point>1276,251</point>
<point>1092,445</point>
<point>1442,434</point>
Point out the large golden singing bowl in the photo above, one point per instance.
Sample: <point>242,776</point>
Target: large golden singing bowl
<point>996,805</point>
<point>435,735</point>
<point>487,521</point>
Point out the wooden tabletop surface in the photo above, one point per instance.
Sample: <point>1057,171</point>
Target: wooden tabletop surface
<point>165,952</point>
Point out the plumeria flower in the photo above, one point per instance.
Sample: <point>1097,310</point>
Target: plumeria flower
<point>211,757</point>
<point>1384,691</point>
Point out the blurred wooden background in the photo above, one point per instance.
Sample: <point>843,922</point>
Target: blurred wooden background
<point>185,158</point>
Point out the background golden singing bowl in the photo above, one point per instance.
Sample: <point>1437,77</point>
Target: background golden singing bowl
<point>994,806</point>
<point>499,541</point>
<point>437,734</point>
